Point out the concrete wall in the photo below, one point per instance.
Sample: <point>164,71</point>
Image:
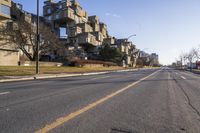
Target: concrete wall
<point>33,63</point>
<point>9,58</point>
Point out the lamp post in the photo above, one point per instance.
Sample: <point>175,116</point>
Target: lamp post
<point>131,36</point>
<point>127,54</point>
<point>38,39</point>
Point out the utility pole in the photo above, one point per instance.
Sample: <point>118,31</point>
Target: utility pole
<point>38,39</point>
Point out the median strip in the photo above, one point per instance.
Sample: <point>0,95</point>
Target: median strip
<point>66,118</point>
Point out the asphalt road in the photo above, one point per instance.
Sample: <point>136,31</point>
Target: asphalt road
<point>145,101</point>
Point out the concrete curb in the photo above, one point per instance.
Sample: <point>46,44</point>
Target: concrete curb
<point>67,75</point>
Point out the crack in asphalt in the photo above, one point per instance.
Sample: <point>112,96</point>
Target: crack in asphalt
<point>115,130</point>
<point>188,98</point>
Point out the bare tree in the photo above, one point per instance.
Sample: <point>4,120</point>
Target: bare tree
<point>183,58</point>
<point>191,57</point>
<point>20,34</point>
<point>196,52</point>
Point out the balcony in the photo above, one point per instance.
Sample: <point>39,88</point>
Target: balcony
<point>63,17</point>
<point>99,36</point>
<point>94,19</point>
<point>109,40</point>
<point>87,38</point>
<point>73,31</point>
<point>68,13</point>
<point>85,27</point>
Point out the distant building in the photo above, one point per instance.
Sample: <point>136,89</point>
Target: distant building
<point>149,59</point>
<point>130,51</point>
<point>154,59</point>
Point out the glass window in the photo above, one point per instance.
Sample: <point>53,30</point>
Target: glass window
<point>49,18</point>
<point>5,9</point>
<point>49,11</point>
<point>60,6</point>
<point>57,16</point>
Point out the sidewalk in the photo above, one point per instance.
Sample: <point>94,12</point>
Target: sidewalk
<point>4,79</point>
<point>48,76</point>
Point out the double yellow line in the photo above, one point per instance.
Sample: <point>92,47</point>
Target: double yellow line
<point>65,119</point>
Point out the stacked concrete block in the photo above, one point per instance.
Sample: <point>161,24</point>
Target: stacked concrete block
<point>76,21</point>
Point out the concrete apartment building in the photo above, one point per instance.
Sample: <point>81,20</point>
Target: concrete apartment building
<point>8,55</point>
<point>84,31</point>
<point>81,29</point>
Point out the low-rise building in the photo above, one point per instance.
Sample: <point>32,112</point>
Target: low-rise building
<point>9,56</point>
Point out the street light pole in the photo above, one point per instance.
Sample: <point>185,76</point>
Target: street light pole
<point>131,36</point>
<point>129,50</point>
<point>38,39</point>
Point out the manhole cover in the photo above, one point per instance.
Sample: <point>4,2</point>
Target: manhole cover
<point>114,130</point>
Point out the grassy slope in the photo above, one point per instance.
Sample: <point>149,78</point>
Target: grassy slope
<point>27,70</point>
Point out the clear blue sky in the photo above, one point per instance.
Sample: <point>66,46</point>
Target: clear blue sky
<point>167,27</point>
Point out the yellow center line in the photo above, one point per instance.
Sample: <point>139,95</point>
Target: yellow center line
<point>65,119</point>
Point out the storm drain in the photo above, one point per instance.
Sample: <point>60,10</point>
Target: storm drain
<point>114,130</point>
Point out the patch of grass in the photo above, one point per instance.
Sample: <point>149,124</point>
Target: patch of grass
<point>30,70</point>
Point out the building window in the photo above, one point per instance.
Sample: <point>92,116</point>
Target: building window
<point>5,9</point>
<point>60,6</point>
<point>88,39</point>
<point>49,18</point>
<point>99,38</point>
<point>49,11</point>
<point>57,16</point>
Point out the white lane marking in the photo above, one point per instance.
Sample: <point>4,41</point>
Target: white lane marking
<point>183,77</point>
<point>4,93</point>
<point>169,77</point>
<point>100,78</point>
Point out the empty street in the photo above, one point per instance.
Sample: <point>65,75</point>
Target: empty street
<point>144,101</point>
